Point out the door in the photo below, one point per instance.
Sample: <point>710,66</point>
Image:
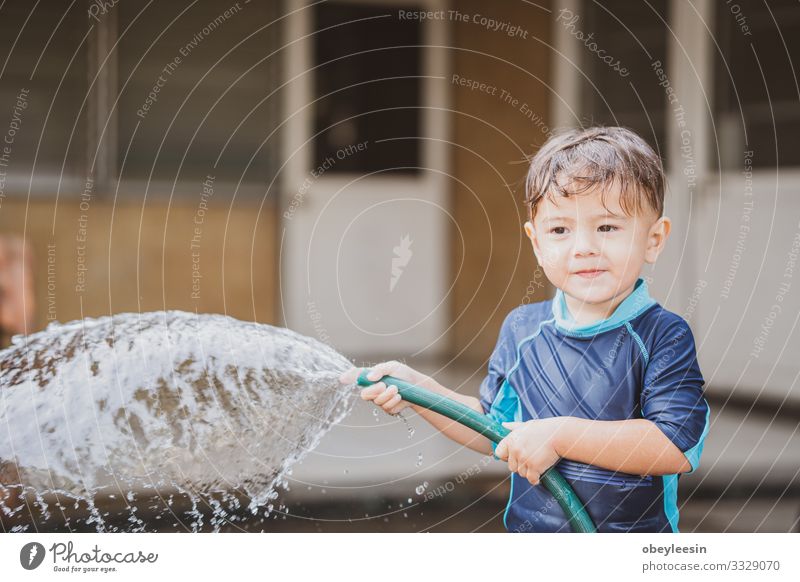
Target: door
<point>364,246</point>
<point>748,214</point>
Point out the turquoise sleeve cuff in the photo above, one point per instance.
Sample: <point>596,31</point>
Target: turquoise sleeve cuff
<point>494,444</point>
<point>693,454</point>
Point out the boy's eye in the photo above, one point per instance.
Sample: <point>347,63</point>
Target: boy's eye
<point>602,228</point>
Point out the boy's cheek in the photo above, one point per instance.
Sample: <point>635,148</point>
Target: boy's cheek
<point>550,254</point>
<point>556,260</point>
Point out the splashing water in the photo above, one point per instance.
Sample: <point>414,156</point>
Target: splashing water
<point>132,412</point>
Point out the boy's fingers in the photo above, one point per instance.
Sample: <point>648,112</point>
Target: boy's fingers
<point>376,372</point>
<point>386,395</point>
<point>383,369</point>
<point>350,376</point>
<point>512,425</point>
<point>370,392</point>
<point>513,465</point>
<point>399,407</point>
<point>392,403</point>
<point>501,452</point>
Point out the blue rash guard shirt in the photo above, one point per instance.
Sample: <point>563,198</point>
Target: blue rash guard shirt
<point>639,363</point>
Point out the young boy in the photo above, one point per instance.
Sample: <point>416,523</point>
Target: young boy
<point>601,381</point>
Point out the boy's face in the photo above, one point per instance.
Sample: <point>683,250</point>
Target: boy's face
<point>593,256</point>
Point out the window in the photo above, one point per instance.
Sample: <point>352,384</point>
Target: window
<point>368,81</point>
<point>621,40</point>
<point>191,89</point>
<point>43,84</point>
<point>756,101</point>
<point>194,84</point>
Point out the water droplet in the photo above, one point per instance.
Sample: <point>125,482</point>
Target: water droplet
<point>410,429</point>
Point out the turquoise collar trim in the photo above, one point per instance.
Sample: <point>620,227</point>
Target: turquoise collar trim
<point>633,305</point>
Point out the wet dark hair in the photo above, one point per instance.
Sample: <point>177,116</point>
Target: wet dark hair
<point>578,160</point>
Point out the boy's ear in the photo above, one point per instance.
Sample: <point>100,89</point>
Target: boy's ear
<point>529,230</point>
<point>657,239</point>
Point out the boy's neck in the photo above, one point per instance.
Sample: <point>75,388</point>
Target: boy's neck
<point>588,313</point>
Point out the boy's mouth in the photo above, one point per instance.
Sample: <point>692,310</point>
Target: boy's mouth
<point>590,273</point>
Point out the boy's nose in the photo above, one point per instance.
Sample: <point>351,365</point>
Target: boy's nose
<point>585,244</point>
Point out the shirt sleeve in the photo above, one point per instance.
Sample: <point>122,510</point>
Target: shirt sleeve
<point>499,363</point>
<point>672,396</point>
<point>496,396</point>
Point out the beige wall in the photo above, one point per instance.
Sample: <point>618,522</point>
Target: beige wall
<point>129,270</point>
<point>498,265</point>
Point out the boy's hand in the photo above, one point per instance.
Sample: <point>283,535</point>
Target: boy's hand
<point>385,396</point>
<point>530,449</point>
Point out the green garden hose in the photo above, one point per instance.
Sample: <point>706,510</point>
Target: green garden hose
<point>576,514</point>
